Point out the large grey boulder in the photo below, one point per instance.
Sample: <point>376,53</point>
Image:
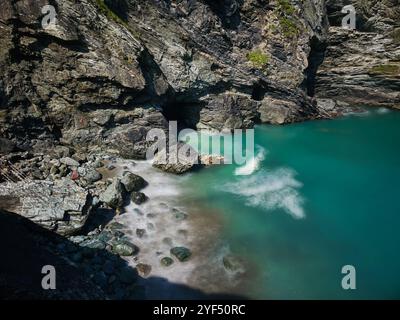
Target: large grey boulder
<point>114,194</point>
<point>179,159</point>
<point>61,205</point>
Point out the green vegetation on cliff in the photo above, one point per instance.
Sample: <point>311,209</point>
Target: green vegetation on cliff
<point>286,15</point>
<point>258,58</point>
<point>104,9</point>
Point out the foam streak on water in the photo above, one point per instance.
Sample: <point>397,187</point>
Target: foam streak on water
<point>271,190</point>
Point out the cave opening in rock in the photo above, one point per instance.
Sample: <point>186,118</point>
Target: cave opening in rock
<point>258,92</point>
<point>186,113</point>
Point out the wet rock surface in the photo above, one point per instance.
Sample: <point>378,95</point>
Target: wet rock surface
<point>181,253</point>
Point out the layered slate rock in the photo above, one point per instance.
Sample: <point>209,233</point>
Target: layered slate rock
<point>106,74</point>
<point>60,205</point>
<point>361,67</point>
<point>84,81</point>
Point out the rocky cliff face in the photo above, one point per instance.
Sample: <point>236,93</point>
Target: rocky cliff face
<point>108,71</point>
<point>362,67</point>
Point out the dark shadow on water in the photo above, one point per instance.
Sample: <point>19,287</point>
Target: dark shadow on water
<point>82,273</point>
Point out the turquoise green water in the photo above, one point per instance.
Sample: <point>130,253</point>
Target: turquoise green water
<point>326,194</point>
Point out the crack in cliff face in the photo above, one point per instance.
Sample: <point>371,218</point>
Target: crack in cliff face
<point>157,89</point>
<point>315,59</point>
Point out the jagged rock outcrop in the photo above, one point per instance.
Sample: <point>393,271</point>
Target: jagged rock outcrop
<point>86,80</point>
<point>60,205</point>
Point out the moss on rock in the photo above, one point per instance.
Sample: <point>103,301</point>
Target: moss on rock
<point>258,58</point>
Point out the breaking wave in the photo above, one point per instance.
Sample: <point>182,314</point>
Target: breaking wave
<point>252,165</point>
<point>271,190</point>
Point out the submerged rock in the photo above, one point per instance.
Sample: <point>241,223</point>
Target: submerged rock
<point>181,253</point>
<point>232,263</point>
<point>179,215</point>
<point>138,211</point>
<point>132,182</point>
<point>166,261</point>
<point>150,226</point>
<point>140,233</point>
<point>138,197</point>
<point>167,241</point>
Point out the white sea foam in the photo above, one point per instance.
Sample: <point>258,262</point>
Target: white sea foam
<point>253,164</point>
<point>271,190</point>
<point>163,191</point>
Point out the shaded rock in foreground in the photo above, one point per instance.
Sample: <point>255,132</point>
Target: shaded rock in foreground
<point>20,272</point>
